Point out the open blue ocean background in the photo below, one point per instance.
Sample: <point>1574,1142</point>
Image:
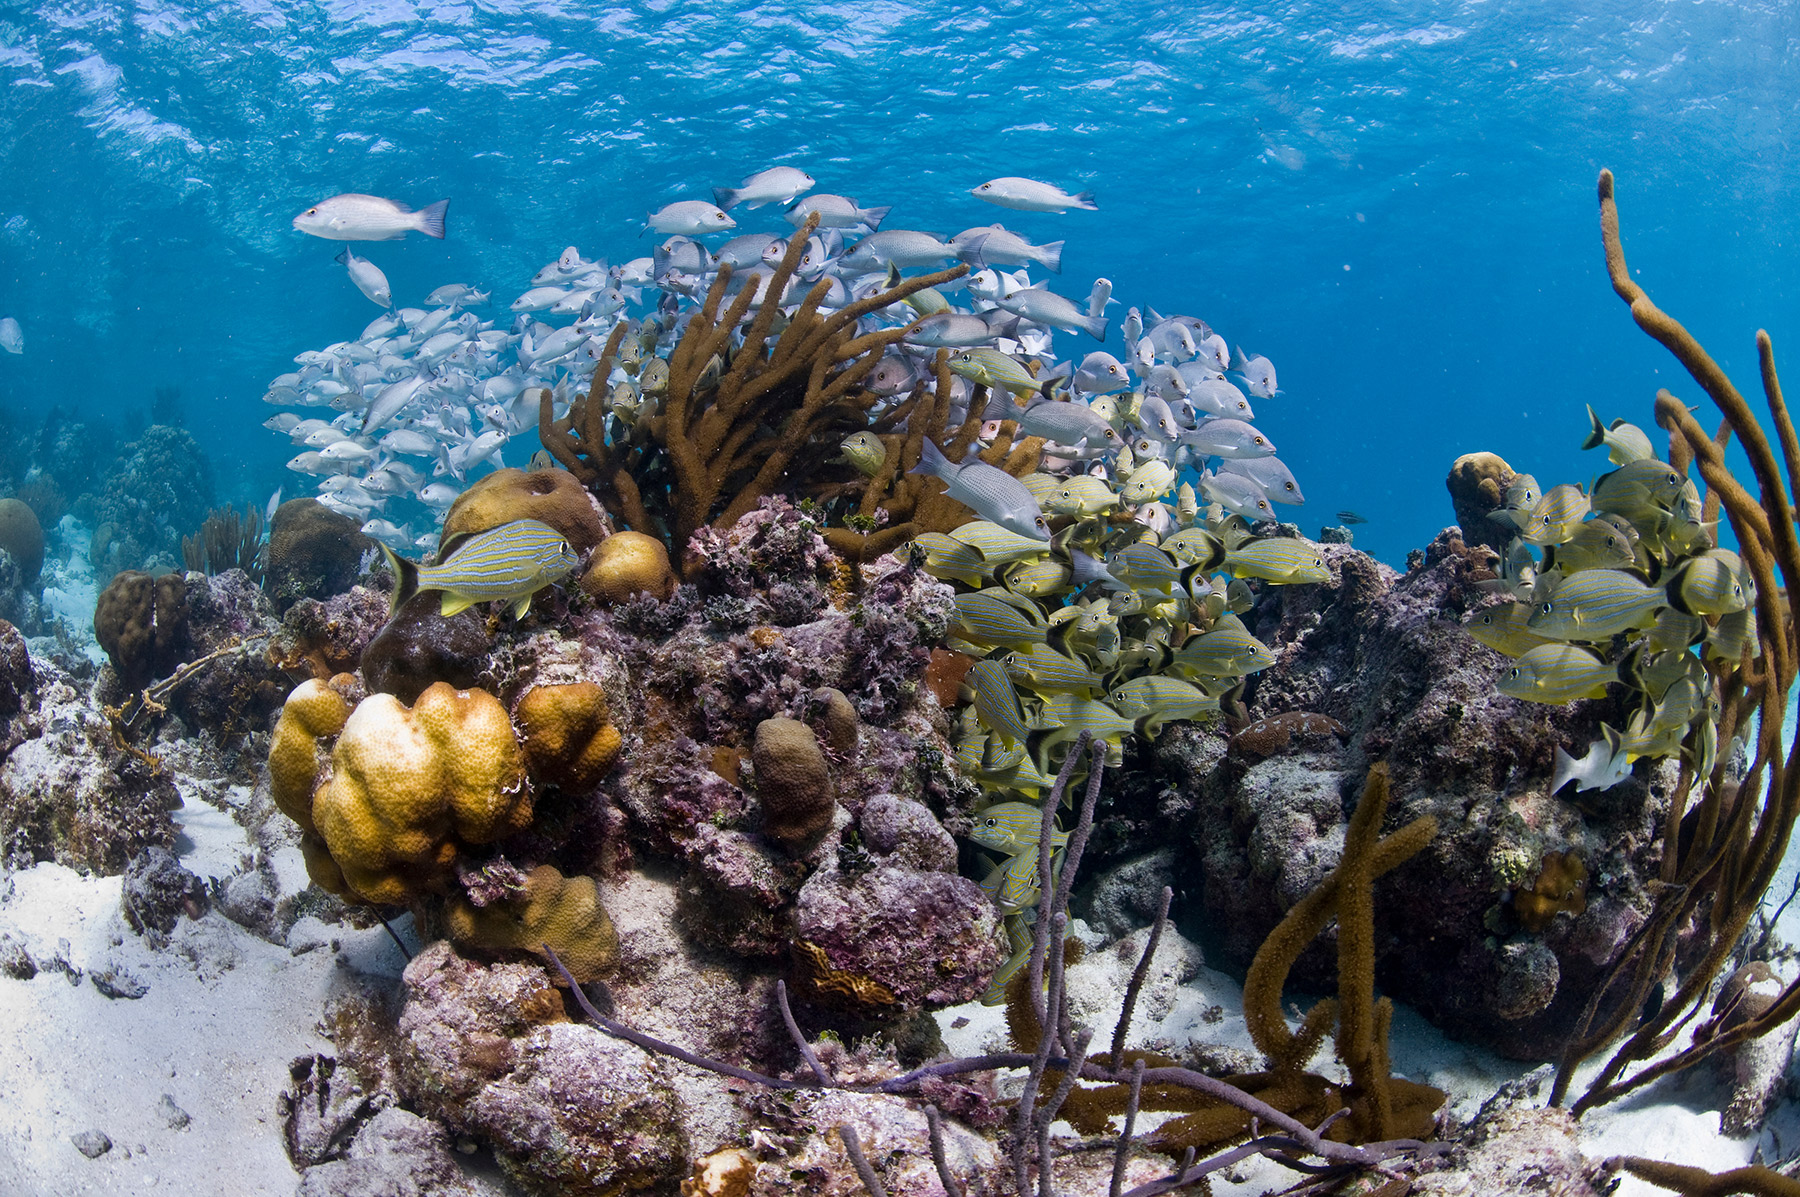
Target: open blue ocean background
<point>1394,202</point>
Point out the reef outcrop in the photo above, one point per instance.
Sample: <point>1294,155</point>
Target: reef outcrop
<point>1385,655</point>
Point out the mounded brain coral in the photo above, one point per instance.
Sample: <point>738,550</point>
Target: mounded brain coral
<point>313,552</point>
<point>408,786</point>
<point>792,781</point>
<point>553,497</point>
<point>564,912</point>
<point>141,622</point>
<point>22,537</point>
<point>627,564</point>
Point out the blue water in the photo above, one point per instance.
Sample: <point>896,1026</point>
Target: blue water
<point>1393,202</point>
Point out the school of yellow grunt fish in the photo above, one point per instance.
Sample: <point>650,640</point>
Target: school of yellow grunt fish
<point>1620,586</point>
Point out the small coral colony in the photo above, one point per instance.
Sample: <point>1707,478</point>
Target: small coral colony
<point>1104,521</point>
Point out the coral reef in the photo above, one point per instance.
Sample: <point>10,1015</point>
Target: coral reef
<point>628,564</point>
<point>160,489</point>
<point>313,552</point>
<point>793,783</point>
<point>408,786</point>
<point>551,911</point>
<point>741,419</point>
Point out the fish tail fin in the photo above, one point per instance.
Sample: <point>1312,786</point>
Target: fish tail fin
<point>874,216</point>
<point>1008,327</point>
<point>1095,326</point>
<point>431,218</point>
<point>725,197</point>
<point>1085,199</point>
<point>1597,437</point>
<point>932,461</point>
<point>1049,256</point>
<point>406,577</point>
<point>1565,770</point>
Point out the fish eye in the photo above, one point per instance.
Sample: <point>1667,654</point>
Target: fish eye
<point>984,186</point>
<point>992,822</point>
<point>1547,608</point>
<point>1513,673</point>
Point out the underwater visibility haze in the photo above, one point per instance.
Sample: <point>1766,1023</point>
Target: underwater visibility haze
<point>1390,202</point>
<point>877,544</point>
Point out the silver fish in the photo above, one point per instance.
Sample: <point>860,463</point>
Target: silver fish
<point>1029,195</point>
<point>777,185</point>
<point>990,492</point>
<point>354,216</point>
<point>368,278</point>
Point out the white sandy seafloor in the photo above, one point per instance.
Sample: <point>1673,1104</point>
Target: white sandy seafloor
<point>185,1080</point>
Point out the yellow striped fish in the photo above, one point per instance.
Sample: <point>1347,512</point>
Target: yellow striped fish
<point>996,702</point>
<point>1503,629</point>
<point>1047,671</point>
<point>1012,827</point>
<point>1557,674</point>
<point>992,616</point>
<point>1013,883</point>
<point>505,564</point>
<point>1019,940</point>
<point>1283,560</point>
<point>1597,604</point>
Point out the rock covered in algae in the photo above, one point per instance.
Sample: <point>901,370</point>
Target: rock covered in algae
<point>567,1109</point>
<point>22,538</point>
<point>1385,654</point>
<point>420,646</point>
<point>69,791</point>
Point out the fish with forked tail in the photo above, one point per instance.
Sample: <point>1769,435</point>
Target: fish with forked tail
<point>509,564</point>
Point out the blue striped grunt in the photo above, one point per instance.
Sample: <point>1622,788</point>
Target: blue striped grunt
<point>994,616</point>
<point>1012,827</point>
<point>1597,604</point>
<point>1557,674</point>
<point>505,564</point>
<point>996,702</point>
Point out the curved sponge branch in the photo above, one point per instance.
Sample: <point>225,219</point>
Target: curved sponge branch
<point>563,912</point>
<point>408,786</point>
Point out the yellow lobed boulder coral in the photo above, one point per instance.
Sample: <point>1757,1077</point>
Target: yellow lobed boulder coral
<point>314,711</point>
<point>407,786</point>
<point>569,742</point>
<point>564,912</point>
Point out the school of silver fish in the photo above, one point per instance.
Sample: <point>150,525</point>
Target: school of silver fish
<point>1620,584</point>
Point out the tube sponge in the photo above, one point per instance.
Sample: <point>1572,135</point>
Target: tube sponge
<point>564,912</point>
<point>569,742</point>
<point>407,786</point>
<point>792,781</point>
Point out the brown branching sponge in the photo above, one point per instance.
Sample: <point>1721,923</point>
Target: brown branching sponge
<point>1755,1180</point>
<point>1722,840</point>
<point>740,418</point>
